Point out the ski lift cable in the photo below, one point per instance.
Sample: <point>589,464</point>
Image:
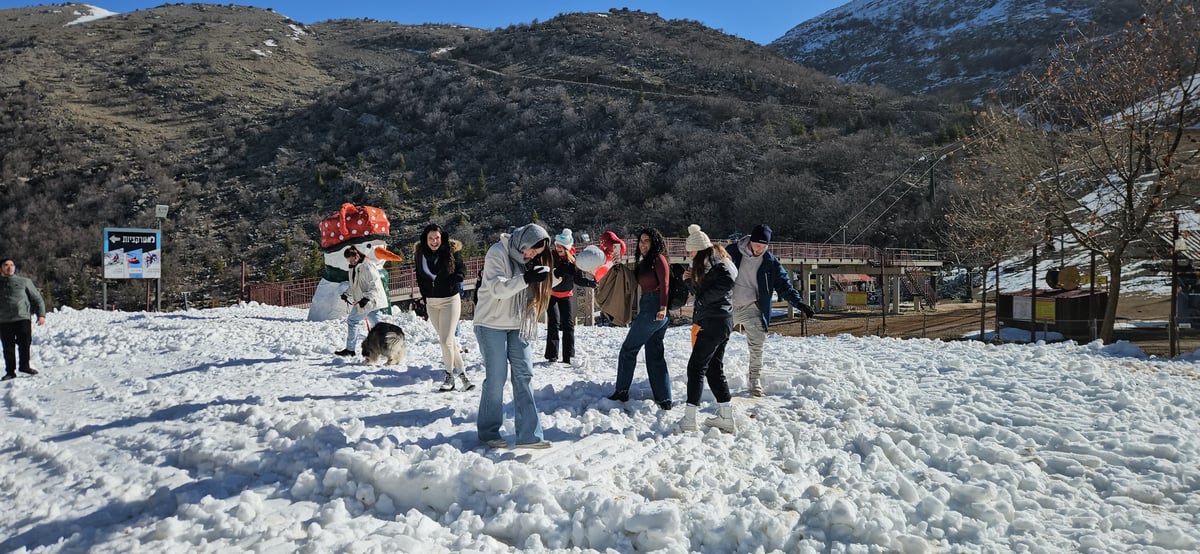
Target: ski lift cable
<point>961,145</point>
<point>881,214</point>
<point>873,200</point>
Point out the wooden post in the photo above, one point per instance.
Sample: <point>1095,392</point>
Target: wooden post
<point>1172,322</point>
<point>1033,299</point>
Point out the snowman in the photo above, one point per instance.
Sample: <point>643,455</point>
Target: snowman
<point>366,229</point>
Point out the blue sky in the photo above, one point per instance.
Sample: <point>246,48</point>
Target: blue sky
<point>761,21</point>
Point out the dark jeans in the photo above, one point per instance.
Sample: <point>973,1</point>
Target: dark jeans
<point>16,335</point>
<point>708,360</point>
<point>646,331</point>
<point>560,314</point>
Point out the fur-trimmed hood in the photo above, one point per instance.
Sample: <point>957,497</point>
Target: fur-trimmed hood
<point>455,246</point>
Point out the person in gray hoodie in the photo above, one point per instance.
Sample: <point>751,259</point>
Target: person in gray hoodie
<point>19,301</point>
<point>514,291</point>
<point>760,276</point>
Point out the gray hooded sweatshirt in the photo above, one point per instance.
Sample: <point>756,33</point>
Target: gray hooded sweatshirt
<point>503,292</point>
<point>745,288</point>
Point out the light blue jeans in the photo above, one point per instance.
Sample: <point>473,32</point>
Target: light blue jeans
<point>354,325</point>
<point>502,350</point>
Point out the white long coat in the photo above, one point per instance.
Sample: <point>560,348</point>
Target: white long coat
<point>365,283</point>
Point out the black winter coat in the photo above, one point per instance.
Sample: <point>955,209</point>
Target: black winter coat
<point>571,276</point>
<point>714,295</point>
<point>444,282</point>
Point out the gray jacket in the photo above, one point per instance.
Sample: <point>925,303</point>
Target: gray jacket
<point>19,299</point>
<point>502,288</point>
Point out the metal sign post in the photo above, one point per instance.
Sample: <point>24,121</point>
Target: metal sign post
<point>160,213</point>
<point>131,254</point>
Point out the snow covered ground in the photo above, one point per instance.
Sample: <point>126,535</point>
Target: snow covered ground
<point>237,429</point>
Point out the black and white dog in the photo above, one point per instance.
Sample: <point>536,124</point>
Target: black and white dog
<point>385,341</point>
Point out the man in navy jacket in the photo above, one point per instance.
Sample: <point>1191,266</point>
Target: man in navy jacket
<point>760,276</point>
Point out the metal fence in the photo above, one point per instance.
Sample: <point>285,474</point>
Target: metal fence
<point>402,283</point>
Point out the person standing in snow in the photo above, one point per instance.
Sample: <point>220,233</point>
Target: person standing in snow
<point>440,272</point>
<point>650,325</point>
<point>514,290</point>
<point>560,314</point>
<point>760,275</point>
<point>19,301</point>
<point>710,278</point>
<point>365,296</point>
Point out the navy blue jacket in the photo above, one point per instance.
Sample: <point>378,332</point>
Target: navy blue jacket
<point>771,278</point>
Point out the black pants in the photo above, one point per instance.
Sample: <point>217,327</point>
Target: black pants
<point>16,336</point>
<point>560,315</point>
<point>708,360</point>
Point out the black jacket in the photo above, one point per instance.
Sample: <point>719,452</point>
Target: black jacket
<point>444,283</point>
<point>571,276</point>
<point>714,296</point>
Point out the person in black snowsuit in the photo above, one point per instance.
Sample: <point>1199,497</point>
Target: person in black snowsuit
<point>560,314</point>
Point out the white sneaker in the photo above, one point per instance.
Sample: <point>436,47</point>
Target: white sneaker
<point>688,423</point>
<point>724,418</point>
<point>756,388</point>
<point>466,384</point>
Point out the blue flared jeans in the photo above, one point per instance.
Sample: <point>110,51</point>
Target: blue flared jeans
<point>354,325</point>
<point>506,354</point>
<point>648,332</point>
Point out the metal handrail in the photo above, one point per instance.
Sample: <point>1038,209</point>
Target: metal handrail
<point>402,280</point>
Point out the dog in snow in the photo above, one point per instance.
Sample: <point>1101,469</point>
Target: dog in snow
<point>385,341</point>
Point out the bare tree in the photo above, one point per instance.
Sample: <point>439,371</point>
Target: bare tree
<point>989,216</point>
<point>1105,142</point>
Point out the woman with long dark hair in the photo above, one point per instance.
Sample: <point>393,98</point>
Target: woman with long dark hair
<point>440,271</point>
<point>650,325</point>
<point>710,278</point>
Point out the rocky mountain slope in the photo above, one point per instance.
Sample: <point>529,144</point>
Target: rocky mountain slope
<point>252,127</point>
<point>958,50</point>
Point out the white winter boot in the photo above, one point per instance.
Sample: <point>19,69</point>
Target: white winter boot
<point>724,418</point>
<point>755,386</point>
<point>466,383</point>
<point>688,423</point>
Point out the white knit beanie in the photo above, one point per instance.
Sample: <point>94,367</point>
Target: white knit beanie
<point>565,239</point>
<point>697,240</point>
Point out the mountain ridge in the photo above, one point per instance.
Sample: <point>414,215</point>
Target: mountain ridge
<point>957,50</point>
<point>252,127</point>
